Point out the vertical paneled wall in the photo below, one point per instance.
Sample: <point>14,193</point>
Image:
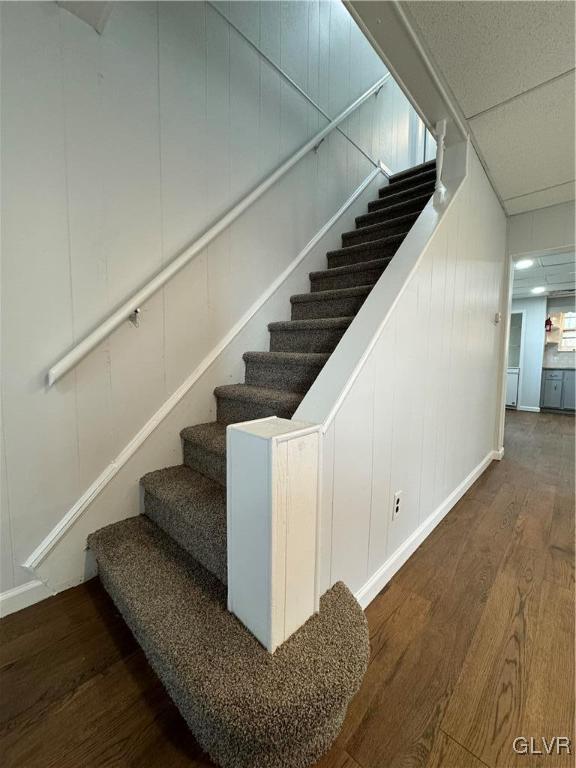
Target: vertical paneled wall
<point>117,151</point>
<point>421,416</point>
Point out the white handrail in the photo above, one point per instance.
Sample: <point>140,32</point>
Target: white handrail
<point>132,305</point>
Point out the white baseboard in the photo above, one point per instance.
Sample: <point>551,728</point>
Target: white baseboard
<point>382,576</point>
<point>96,488</point>
<point>21,597</point>
<point>531,408</point>
<point>498,454</point>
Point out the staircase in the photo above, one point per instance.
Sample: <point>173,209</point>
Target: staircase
<point>166,569</point>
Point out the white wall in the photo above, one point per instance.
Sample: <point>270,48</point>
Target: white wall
<point>417,410</point>
<point>532,352</point>
<point>119,149</point>
<point>545,229</point>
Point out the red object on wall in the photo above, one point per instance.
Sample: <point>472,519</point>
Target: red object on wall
<point>548,325</point>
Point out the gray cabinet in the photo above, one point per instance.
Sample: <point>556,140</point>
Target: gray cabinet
<point>557,389</point>
<point>568,394</point>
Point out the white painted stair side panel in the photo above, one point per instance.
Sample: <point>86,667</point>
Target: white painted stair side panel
<point>272,517</point>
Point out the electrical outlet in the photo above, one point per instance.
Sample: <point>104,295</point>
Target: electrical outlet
<point>396,505</point>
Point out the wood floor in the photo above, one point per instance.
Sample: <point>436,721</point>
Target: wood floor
<point>472,645</point>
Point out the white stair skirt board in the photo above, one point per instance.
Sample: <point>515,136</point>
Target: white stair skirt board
<point>378,580</point>
<point>96,488</point>
<point>23,596</point>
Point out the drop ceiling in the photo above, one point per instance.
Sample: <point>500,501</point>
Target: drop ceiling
<point>556,272</point>
<point>510,69</point>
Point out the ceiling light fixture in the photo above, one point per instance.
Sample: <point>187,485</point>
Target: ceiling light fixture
<point>539,289</point>
<point>524,264</point>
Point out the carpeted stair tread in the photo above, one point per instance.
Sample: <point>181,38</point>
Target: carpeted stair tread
<point>382,229</point>
<point>408,181</point>
<point>317,324</point>
<point>314,335</point>
<point>289,359</point>
<point>302,298</point>
<point>383,214</point>
<point>415,170</point>
<point>374,249</point>
<point>334,303</point>
<point>243,402</point>
<point>204,447</point>
<point>396,197</point>
<point>247,708</point>
<point>293,371</point>
<point>350,269</point>
<point>191,508</point>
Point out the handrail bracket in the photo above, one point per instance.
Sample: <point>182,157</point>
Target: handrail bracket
<point>134,317</point>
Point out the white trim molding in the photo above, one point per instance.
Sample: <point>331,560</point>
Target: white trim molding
<point>382,576</point>
<point>96,488</point>
<point>531,408</point>
<point>23,596</point>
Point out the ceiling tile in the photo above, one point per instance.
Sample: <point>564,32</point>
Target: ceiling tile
<point>528,143</point>
<point>491,51</point>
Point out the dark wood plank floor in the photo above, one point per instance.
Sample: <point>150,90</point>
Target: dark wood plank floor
<point>472,644</point>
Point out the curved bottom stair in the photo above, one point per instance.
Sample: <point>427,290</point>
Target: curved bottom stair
<point>246,707</point>
<point>166,570</point>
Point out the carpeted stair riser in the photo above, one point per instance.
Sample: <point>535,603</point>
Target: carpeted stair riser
<point>341,303</point>
<point>269,369</point>
<point>246,708</point>
<point>307,336</point>
<point>415,205</point>
<point>399,197</point>
<point>191,509</point>
<point>350,276</point>
<point>378,231</point>
<point>406,183</point>
<point>204,449</point>
<point>374,249</point>
<point>233,405</point>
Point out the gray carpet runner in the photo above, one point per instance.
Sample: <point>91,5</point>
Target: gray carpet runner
<point>166,569</point>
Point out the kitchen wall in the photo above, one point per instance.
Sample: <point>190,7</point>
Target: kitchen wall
<point>552,357</point>
<point>117,151</point>
<point>532,353</point>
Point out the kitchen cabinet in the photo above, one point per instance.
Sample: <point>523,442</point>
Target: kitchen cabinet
<point>552,390</point>
<point>558,389</point>
<point>568,392</point>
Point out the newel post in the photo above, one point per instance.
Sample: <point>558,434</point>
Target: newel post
<point>272,516</point>
<point>440,189</point>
